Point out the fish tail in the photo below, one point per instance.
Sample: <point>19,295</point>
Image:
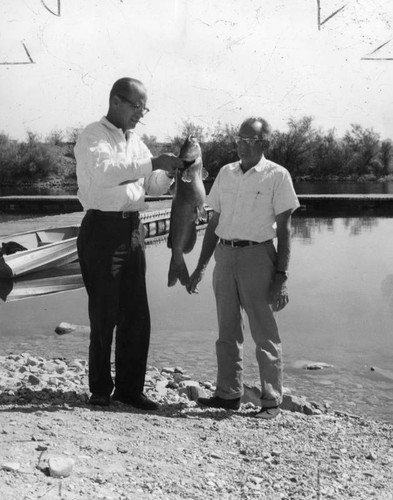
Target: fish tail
<point>178,271</point>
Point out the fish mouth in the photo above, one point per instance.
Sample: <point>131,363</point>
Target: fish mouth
<point>187,163</point>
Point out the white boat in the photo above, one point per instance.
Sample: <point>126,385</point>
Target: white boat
<point>47,282</point>
<point>31,251</point>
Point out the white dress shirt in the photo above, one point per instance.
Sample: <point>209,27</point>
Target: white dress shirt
<point>248,202</point>
<point>106,158</point>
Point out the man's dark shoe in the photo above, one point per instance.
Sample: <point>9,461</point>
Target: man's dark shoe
<point>268,413</point>
<point>99,400</point>
<point>140,401</point>
<point>217,402</point>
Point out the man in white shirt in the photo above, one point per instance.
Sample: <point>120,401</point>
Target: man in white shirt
<point>252,202</point>
<point>115,169</point>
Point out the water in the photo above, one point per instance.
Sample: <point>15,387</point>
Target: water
<point>341,187</point>
<point>340,312</point>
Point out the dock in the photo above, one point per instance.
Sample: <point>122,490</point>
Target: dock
<point>48,204</point>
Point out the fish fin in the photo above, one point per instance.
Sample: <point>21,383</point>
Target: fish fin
<point>202,214</point>
<point>191,240</point>
<point>187,175</point>
<point>178,272</point>
<point>205,173</point>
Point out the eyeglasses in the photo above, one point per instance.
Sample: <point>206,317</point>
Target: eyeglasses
<point>250,141</point>
<point>136,107</point>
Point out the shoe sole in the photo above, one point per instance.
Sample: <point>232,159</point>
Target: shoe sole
<point>98,404</point>
<point>268,413</point>
<point>128,403</point>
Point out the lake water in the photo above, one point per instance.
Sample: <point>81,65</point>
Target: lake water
<point>371,187</point>
<point>340,313</point>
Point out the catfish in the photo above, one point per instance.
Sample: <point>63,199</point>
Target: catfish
<point>188,208</point>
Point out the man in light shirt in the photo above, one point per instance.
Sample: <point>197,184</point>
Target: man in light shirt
<point>115,169</point>
<point>252,201</point>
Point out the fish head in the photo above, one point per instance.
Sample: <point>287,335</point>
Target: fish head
<point>190,150</point>
<point>191,154</point>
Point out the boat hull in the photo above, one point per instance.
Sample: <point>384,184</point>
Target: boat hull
<point>45,249</point>
<point>47,282</point>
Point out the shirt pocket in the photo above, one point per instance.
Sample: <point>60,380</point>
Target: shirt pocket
<point>259,201</point>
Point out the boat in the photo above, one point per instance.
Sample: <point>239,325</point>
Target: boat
<point>46,282</point>
<point>31,251</point>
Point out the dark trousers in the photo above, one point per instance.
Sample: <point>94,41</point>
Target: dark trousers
<point>112,259</point>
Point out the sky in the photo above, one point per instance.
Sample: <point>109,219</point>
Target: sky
<point>204,61</point>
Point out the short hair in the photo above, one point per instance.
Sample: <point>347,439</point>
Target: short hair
<point>122,86</point>
<point>266,130</point>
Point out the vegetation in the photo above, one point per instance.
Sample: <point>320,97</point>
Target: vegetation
<point>33,161</point>
<point>307,152</point>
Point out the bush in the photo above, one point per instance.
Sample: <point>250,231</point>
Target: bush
<point>30,161</point>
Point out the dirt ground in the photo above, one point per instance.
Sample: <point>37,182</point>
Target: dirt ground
<point>53,445</point>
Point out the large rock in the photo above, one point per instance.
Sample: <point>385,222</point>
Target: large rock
<point>60,466</point>
<point>192,390</point>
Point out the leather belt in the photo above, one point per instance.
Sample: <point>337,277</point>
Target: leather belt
<point>116,215</point>
<point>242,243</point>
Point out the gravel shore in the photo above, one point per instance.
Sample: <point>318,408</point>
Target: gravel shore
<point>55,446</point>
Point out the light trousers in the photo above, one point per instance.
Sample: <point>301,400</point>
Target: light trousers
<point>241,283</point>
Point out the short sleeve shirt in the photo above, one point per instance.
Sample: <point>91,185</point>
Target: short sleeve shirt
<point>249,202</point>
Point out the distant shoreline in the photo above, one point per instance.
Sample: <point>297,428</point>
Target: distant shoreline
<point>71,187</point>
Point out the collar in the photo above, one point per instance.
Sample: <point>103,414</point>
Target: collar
<point>258,167</point>
<point>104,120</point>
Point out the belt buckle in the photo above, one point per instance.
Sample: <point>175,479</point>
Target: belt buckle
<point>233,243</point>
<point>125,215</point>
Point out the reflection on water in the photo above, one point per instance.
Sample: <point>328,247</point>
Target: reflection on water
<point>342,187</point>
<point>340,313</point>
<point>307,228</point>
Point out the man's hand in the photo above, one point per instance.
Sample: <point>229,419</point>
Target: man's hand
<point>167,162</point>
<point>195,278</point>
<point>278,293</point>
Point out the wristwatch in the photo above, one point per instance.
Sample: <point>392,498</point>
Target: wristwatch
<point>283,273</point>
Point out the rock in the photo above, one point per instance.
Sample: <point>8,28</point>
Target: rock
<point>33,380</point>
<point>298,404</point>
<point>317,366</point>
<point>60,466</point>
<point>191,389</point>
<point>32,361</point>
<point>168,370</point>
<point>251,395</point>
<point>161,388</point>
<point>63,328</point>
<point>11,466</point>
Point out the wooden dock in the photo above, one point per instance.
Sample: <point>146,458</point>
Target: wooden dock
<point>310,202</point>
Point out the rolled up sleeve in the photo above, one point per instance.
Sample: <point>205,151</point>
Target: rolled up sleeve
<point>157,183</point>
